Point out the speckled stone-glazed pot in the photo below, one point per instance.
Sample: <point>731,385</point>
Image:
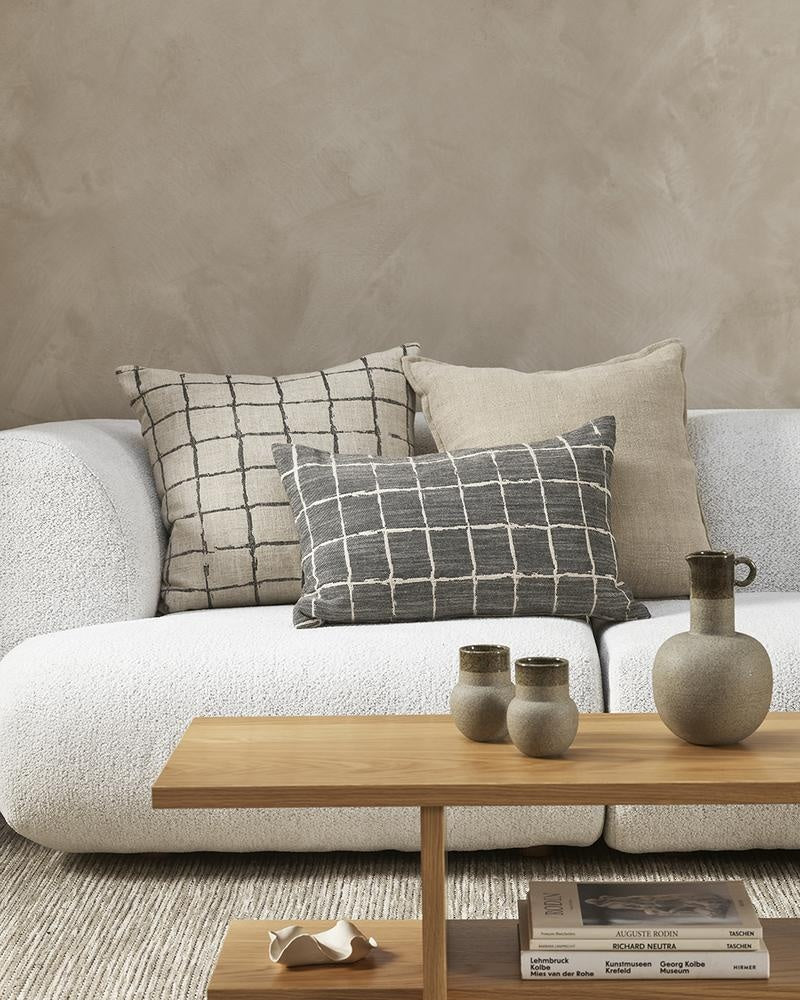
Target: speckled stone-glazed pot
<point>480,699</point>
<point>542,718</point>
<point>712,685</point>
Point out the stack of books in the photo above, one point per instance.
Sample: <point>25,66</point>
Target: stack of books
<point>640,930</point>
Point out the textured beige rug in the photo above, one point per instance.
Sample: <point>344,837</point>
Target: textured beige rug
<point>119,927</point>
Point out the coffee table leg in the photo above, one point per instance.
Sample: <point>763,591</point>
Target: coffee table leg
<point>434,903</point>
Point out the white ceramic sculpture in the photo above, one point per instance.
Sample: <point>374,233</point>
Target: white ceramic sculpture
<point>341,944</point>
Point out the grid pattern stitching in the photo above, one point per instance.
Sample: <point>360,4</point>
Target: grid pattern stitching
<point>232,537</point>
<point>515,530</point>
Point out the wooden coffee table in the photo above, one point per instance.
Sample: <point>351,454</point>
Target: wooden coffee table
<point>423,761</point>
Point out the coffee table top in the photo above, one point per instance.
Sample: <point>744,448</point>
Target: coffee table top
<point>423,760</point>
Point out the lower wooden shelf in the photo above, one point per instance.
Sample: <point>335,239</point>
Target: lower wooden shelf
<point>483,962</point>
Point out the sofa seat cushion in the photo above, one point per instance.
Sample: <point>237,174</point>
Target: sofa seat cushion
<point>89,716</point>
<point>626,655</point>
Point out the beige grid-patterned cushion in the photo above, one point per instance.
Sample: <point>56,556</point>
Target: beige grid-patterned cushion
<point>232,538</point>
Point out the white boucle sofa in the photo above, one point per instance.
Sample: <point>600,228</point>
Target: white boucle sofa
<point>95,690</point>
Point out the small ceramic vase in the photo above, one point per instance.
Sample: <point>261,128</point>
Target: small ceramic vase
<point>480,699</point>
<point>712,685</point>
<point>542,718</point>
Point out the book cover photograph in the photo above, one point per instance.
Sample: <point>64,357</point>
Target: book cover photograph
<point>619,910</point>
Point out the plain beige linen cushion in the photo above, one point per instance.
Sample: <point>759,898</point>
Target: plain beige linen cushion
<point>655,515</point>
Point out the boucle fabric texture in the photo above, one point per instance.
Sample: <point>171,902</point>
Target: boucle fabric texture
<point>232,540</point>
<point>626,656</point>
<point>750,507</point>
<point>656,514</point>
<point>80,530</point>
<point>517,530</point>
<point>88,718</point>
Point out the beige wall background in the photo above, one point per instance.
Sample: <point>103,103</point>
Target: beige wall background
<point>260,186</point>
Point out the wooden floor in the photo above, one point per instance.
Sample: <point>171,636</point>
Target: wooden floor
<point>483,962</point>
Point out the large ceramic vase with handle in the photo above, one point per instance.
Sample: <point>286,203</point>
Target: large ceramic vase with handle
<point>712,685</point>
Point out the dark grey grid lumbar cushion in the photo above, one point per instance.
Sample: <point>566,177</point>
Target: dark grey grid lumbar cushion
<point>514,530</point>
<point>232,539</point>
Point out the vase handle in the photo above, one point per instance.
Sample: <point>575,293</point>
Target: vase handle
<point>744,561</point>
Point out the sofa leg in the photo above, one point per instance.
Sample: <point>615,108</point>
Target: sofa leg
<point>539,851</point>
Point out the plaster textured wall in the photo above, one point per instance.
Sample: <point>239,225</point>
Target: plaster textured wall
<point>270,186</point>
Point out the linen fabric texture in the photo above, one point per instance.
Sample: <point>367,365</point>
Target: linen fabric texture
<point>232,539</point>
<point>656,516</point>
<point>516,530</point>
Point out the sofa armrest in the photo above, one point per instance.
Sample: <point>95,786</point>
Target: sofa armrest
<point>81,538</point>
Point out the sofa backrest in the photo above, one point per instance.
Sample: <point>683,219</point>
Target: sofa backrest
<point>748,478</point>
